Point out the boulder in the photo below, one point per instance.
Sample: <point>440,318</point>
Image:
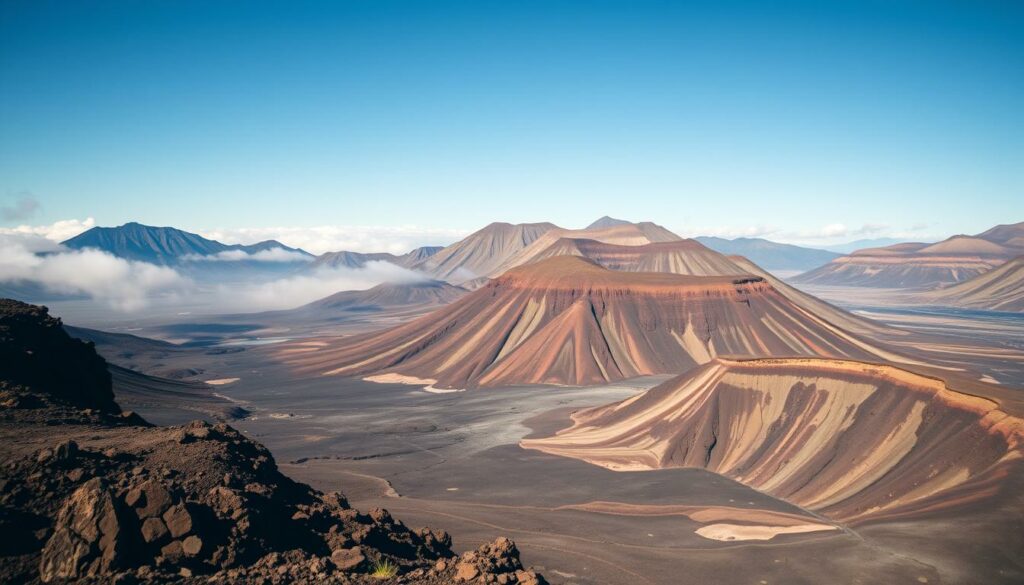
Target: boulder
<point>529,578</point>
<point>150,499</point>
<point>465,572</point>
<point>192,546</point>
<point>86,536</point>
<point>172,551</point>
<point>178,520</point>
<point>347,559</point>
<point>154,530</point>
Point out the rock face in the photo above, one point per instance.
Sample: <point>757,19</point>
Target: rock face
<point>36,352</point>
<point>97,496</point>
<point>566,320</point>
<point>87,537</point>
<point>851,440</point>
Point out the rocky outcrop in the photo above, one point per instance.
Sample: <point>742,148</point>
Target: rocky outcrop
<point>97,496</point>
<point>87,539</point>
<point>495,562</point>
<point>36,352</point>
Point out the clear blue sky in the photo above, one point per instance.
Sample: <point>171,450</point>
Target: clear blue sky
<point>453,114</point>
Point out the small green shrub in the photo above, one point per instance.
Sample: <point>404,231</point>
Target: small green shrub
<point>384,569</point>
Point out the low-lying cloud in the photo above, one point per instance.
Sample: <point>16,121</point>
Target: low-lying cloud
<point>293,291</point>
<point>129,286</point>
<point>335,238</point>
<point>55,232</point>
<point>122,284</point>
<point>270,255</point>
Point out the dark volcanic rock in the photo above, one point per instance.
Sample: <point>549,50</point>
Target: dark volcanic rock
<point>89,494</point>
<point>87,535</point>
<point>36,352</point>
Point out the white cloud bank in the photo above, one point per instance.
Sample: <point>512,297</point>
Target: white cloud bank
<point>271,255</point>
<point>55,232</point>
<point>293,291</point>
<point>129,286</point>
<point>122,284</point>
<point>335,238</point>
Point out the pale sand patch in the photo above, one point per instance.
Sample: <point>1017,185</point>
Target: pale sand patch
<point>222,381</point>
<point>701,514</point>
<point>427,383</point>
<point>730,532</point>
<point>315,438</point>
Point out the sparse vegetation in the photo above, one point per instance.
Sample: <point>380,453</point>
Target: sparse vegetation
<point>384,569</point>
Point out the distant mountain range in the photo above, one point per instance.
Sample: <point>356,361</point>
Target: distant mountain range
<point>346,259</point>
<point>770,255</point>
<point>922,265</point>
<point>166,245</point>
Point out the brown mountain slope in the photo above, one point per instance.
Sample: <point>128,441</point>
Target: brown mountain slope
<point>566,320</point>
<point>837,317</point>
<point>627,234</point>
<point>925,266</point>
<point>481,252</point>
<point>847,439</point>
<point>1000,289</point>
<point>688,257</point>
<point>1006,234</point>
<point>428,292</point>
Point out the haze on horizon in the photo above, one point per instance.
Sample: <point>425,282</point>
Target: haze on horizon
<point>808,123</point>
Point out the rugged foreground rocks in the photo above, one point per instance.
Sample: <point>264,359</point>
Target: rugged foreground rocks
<point>91,494</point>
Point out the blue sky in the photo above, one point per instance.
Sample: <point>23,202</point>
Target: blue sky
<point>817,121</point>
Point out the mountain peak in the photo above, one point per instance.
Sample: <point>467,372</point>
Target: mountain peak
<point>607,221</point>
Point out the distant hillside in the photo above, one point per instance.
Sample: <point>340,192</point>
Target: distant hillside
<point>163,245</point>
<point>346,259</point>
<point>770,255</point>
<point>389,295</point>
<point>920,265</point>
<point>999,289</point>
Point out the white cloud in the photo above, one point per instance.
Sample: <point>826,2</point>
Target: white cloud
<point>286,293</point>
<point>271,255</point>
<point>335,238</point>
<point>56,232</point>
<point>124,285</point>
<point>128,286</point>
